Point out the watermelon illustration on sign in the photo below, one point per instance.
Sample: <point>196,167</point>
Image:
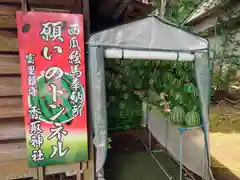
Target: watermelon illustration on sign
<point>54,91</point>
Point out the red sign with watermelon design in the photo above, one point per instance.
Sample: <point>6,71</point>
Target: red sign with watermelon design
<point>51,47</point>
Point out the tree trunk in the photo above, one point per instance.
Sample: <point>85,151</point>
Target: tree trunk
<point>222,60</point>
<point>163,8</point>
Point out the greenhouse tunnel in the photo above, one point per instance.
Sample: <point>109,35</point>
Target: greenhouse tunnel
<point>156,43</point>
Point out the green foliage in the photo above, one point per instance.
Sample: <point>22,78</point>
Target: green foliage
<point>226,57</point>
<point>109,143</point>
<point>172,79</point>
<point>124,110</point>
<point>176,10</point>
<point>179,10</point>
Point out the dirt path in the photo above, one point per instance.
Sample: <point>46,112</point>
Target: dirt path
<point>129,160</point>
<point>225,141</point>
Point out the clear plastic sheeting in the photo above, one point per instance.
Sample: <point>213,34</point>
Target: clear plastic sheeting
<point>149,34</point>
<point>97,97</point>
<point>203,76</point>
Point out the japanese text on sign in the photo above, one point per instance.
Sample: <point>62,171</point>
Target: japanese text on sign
<point>54,93</point>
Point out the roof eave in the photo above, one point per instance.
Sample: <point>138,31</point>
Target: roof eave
<point>189,20</point>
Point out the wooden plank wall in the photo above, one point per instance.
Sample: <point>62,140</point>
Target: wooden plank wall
<point>13,162</point>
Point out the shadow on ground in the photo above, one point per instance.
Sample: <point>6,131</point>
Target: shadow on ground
<point>224,173</point>
<point>129,160</point>
<point>225,139</point>
<point>224,118</point>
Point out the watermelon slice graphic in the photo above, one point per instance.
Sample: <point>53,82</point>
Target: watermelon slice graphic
<point>52,110</point>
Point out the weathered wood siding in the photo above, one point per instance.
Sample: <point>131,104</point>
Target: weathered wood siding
<point>13,160</point>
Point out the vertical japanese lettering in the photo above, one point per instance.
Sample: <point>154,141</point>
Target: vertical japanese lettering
<point>74,30</point>
<point>52,67</point>
<point>52,31</point>
<point>47,54</point>
<point>36,138</point>
<point>74,59</point>
<point>58,131</point>
<point>30,57</point>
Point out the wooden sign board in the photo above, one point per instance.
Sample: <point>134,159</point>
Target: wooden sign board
<point>51,47</point>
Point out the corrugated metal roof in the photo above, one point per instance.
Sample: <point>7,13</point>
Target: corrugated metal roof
<point>203,8</point>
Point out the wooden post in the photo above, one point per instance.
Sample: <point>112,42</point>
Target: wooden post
<point>40,173</point>
<point>89,173</point>
<point>87,167</point>
<point>86,17</point>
